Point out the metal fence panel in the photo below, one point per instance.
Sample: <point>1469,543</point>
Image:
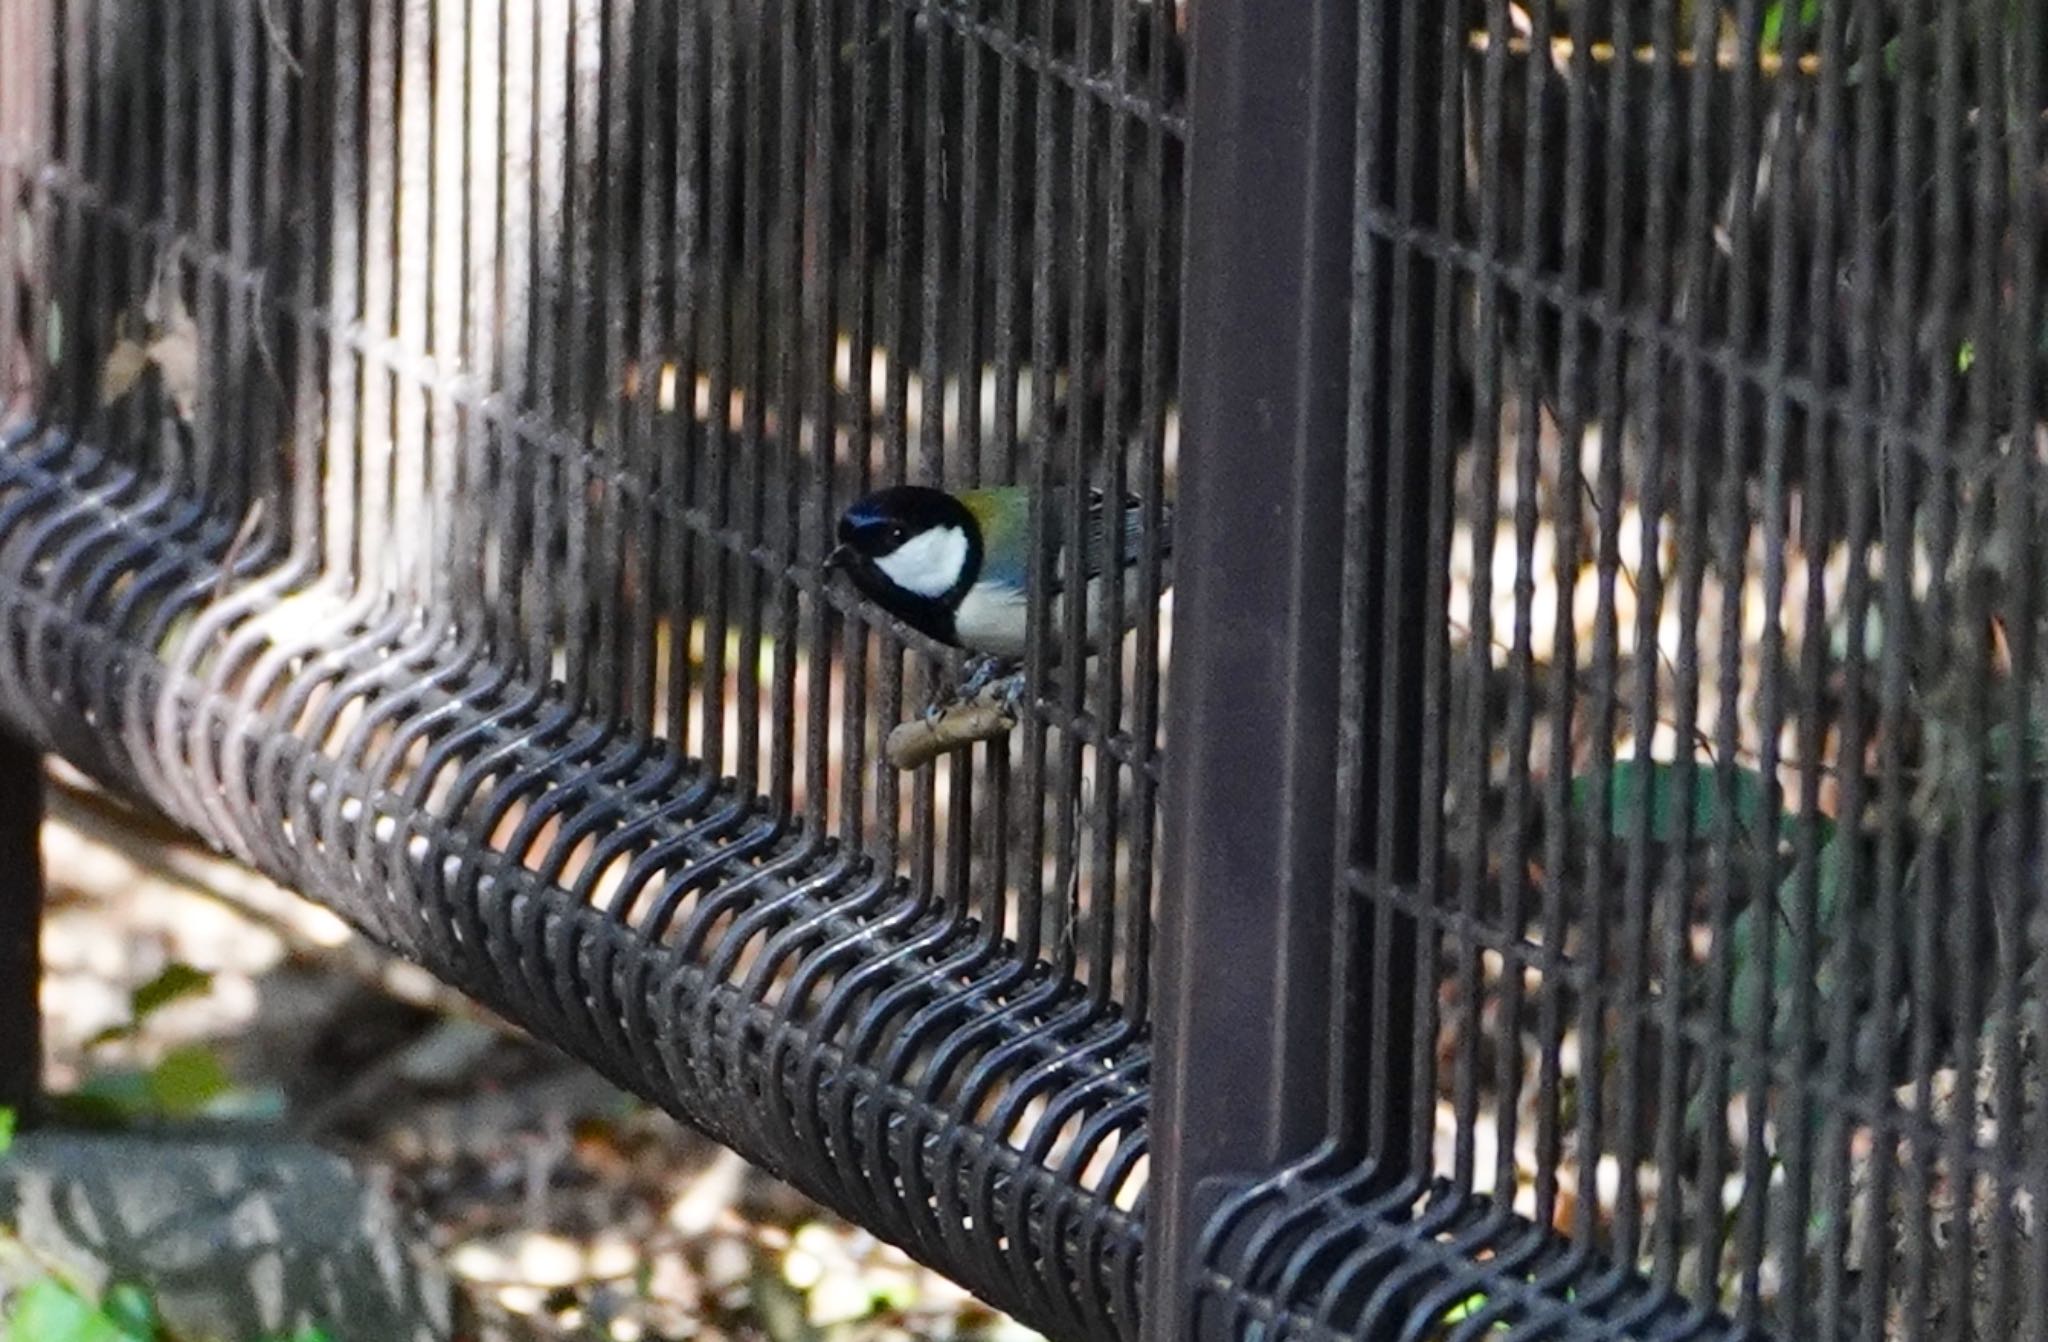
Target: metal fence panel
<point>1725,919</point>
<point>426,422</point>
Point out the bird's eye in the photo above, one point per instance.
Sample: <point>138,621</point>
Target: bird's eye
<point>897,535</point>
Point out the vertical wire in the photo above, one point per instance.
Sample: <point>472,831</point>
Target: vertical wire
<point>713,494</point>
<point>2021,498</point>
<point>661,374</point>
<point>1159,241</point>
<point>248,386</point>
<point>1482,522</point>
<point>1964,1008</point>
<point>1770,1029</point>
<point>980,842</point>
<point>69,241</point>
<point>1664,895</point>
<point>1692,542</point>
<point>822,261</point>
<point>2023,884</point>
<point>341,462</point>
<point>476,531</point>
<point>410,520</point>
<point>647,197</point>
<point>576,587</point>
<point>1043,524</point>
<point>787,258</point>
<point>1862,488</point>
<point>623,504</point>
<point>1000,452</point>
<point>1536,212</point>
<point>1438,690</point>
<point>856,718</point>
<point>1729,560</point>
<point>1073,505</point>
<point>1117,916</point>
<point>370,563</point>
<point>676,466</point>
<point>514,336</point>
<point>133,422</point>
<point>294,215</point>
<point>1623,154</point>
<point>892,320</point>
<point>1844,855</point>
<point>211,476</point>
<point>1921,963</point>
<point>751,325</point>
<point>935,463</point>
<point>17,150</point>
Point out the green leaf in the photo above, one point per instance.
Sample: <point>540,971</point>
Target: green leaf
<point>113,1096</point>
<point>178,981</point>
<point>1656,784</point>
<point>1774,21</point>
<point>8,1122</point>
<point>130,1309</point>
<point>125,1030</point>
<point>187,1080</point>
<point>1468,1307</point>
<point>50,1311</point>
<point>1778,979</point>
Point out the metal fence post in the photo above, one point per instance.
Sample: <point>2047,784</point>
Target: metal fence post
<point>1246,916</point>
<point>21,913</point>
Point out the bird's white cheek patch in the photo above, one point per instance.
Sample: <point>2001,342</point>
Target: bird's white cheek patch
<point>927,564</point>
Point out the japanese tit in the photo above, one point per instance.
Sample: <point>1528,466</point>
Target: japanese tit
<point>956,565</point>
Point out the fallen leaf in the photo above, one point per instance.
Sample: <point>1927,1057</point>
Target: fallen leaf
<point>124,366</point>
<point>176,355</point>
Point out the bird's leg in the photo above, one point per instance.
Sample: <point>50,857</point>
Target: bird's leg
<point>1011,692</point>
<point>981,672</point>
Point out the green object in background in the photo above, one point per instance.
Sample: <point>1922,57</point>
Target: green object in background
<point>177,982</point>
<point>1774,21</point>
<point>50,1311</point>
<point>184,1082</point>
<point>131,1309</point>
<point>1695,802</point>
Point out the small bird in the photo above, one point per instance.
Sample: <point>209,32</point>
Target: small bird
<point>957,565</point>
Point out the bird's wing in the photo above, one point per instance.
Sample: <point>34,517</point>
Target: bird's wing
<point>1106,526</point>
<point>1004,517</point>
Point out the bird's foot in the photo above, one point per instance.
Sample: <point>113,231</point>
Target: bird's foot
<point>1010,693</point>
<point>981,672</point>
<point>976,677</point>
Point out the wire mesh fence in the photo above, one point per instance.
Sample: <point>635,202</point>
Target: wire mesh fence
<point>1608,770</point>
<point>433,418</point>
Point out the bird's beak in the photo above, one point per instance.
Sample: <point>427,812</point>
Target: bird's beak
<point>840,558</point>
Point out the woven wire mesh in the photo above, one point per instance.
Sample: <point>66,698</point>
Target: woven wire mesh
<point>427,421</point>
<point>1714,946</point>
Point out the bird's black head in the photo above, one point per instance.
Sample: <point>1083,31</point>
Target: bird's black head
<point>913,550</point>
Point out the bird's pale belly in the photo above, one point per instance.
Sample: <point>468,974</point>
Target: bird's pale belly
<point>992,620</point>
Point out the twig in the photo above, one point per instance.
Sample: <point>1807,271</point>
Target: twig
<point>988,716</point>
